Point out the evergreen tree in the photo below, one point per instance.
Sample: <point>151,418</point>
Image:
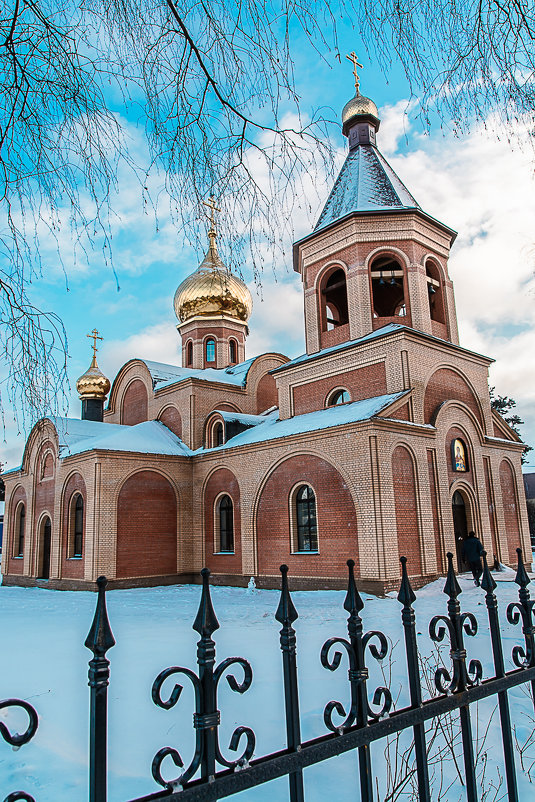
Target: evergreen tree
<point>503,405</point>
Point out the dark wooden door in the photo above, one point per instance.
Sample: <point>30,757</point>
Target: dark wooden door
<point>460,527</point>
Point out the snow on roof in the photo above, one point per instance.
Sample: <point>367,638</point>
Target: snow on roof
<point>388,329</point>
<point>149,437</point>
<point>365,183</point>
<point>238,417</point>
<point>165,375</point>
<point>272,428</point>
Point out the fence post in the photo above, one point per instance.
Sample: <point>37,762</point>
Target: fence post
<point>488,584</point>
<point>286,614</point>
<point>457,622</point>
<point>99,640</point>
<point>406,597</point>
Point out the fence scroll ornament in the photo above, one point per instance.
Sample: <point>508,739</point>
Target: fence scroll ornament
<point>459,686</point>
<point>17,740</point>
<point>207,717</point>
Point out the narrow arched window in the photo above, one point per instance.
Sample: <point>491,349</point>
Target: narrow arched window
<point>334,294</point>
<point>233,351</point>
<point>189,354</point>
<point>339,397</point>
<point>78,527</point>
<point>225,519</point>
<point>210,350</point>
<point>306,519</point>
<point>21,523</point>
<point>217,437</point>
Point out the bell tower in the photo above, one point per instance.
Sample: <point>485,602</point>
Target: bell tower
<point>212,306</point>
<point>375,257</point>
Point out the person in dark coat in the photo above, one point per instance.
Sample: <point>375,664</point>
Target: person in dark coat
<point>472,550</point>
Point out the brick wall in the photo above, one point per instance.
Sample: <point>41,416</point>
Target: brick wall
<point>491,506</point>
<point>510,510</point>
<point>337,523</point>
<point>222,481</point>
<point>266,393</point>
<point>134,404</point>
<point>406,509</point>
<point>446,384</point>
<point>72,567</point>
<point>434,509</point>
<point>146,526</point>
<point>170,417</point>
<point>364,382</point>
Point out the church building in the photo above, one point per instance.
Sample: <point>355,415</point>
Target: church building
<point>379,441</point>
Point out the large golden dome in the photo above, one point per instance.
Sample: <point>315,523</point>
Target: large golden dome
<point>93,383</point>
<point>359,105</point>
<point>212,290</point>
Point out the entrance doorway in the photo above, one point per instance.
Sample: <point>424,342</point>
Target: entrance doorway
<point>460,528</point>
<point>45,549</point>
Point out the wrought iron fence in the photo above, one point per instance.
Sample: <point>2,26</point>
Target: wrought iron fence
<point>457,687</point>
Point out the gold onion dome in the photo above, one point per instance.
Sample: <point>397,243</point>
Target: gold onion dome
<point>212,290</point>
<point>359,105</point>
<point>93,383</point>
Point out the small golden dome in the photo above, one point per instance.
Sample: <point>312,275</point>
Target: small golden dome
<point>93,383</point>
<point>212,290</point>
<point>359,105</point>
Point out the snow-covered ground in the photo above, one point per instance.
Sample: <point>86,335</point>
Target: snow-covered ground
<point>45,662</point>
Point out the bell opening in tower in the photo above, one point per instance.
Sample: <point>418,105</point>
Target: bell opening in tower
<point>388,290</point>
<point>334,294</point>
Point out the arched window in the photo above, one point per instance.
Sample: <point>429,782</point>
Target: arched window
<point>334,294</point>
<point>19,536</point>
<point>388,288</point>
<point>306,519</point>
<point>233,351</point>
<point>210,350</point>
<point>339,397</point>
<point>434,291</point>
<point>189,353</point>
<point>225,525</point>
<point>77,526</point>
<point>217,435</point>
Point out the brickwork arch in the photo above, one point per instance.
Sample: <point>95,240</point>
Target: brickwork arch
<point>446,383</point>
<point>510,509</point>
<point>134,403</point>
<point>406,505</point>
<point>327,269</point>
<point>386,250</point>
<point>336,519</point>
<point>221,481</point>
<point>146,526</point>
<point>443,413</point>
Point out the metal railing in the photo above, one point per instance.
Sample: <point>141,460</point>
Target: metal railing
<point>457,687</point>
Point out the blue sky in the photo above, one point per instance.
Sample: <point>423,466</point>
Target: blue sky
<point>475,184</point>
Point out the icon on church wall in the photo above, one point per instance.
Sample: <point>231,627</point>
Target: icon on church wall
<point>458,456</point>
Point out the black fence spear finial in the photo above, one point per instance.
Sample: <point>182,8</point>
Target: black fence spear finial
<point>100,637</point>
<point>206,621</point>
<point>286,613</point>
<point>406,595</point>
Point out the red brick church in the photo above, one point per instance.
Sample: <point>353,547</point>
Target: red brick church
<point>379,441</point>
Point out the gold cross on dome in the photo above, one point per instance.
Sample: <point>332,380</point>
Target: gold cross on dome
<point>94,336</point>
<point>354,60</point>
<point>213,208</point>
